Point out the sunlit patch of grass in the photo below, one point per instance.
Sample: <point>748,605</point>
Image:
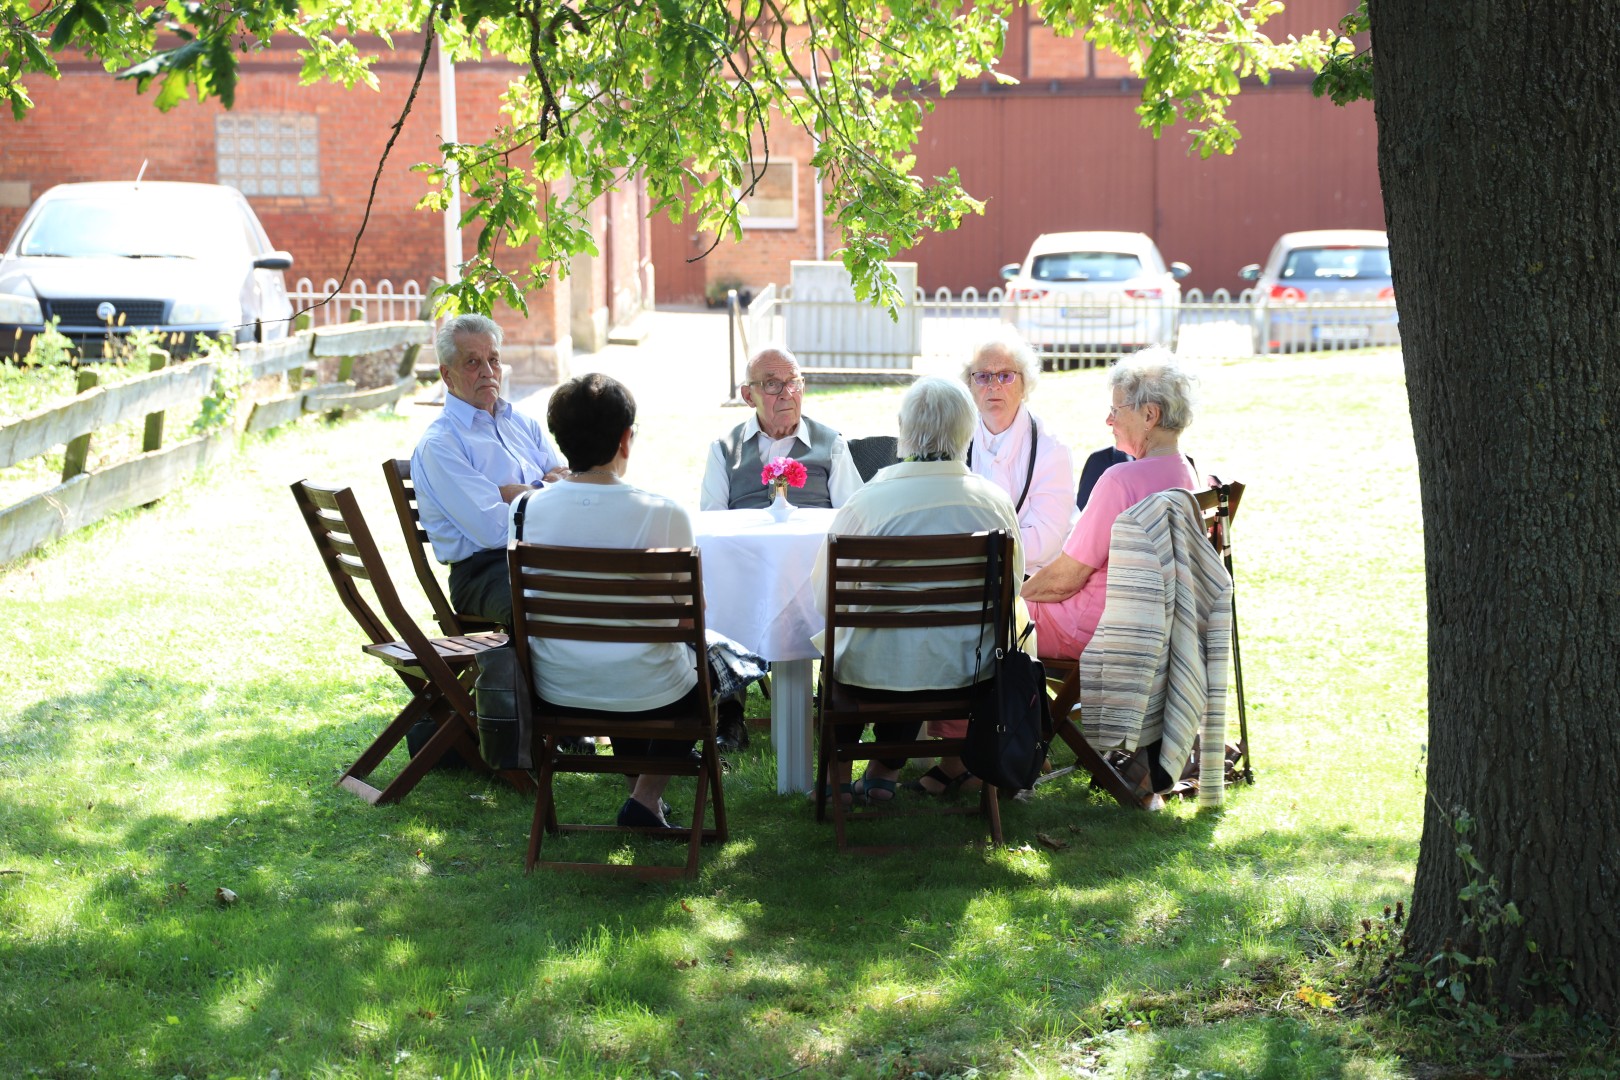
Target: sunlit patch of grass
<point>183,689</point>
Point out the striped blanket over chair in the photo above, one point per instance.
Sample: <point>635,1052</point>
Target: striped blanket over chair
<point>1157,666</point>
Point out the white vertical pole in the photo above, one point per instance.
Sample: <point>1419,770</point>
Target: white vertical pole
<point>447,133</point>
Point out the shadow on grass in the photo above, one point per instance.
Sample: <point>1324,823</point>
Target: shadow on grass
<point>359,932</point>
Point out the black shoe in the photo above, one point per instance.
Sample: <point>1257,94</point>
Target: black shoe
<point>632,815</point>
<point>577,744</point>
<point>731,732</point>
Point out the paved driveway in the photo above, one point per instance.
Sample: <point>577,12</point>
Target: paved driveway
<point>682,365</point>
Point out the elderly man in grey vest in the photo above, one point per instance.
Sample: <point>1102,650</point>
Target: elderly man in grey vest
<point>777,429</point>
<point>731,477</point>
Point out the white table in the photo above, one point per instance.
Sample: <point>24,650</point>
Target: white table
<point>756,585</point>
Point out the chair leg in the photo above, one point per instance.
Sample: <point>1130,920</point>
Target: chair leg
<point>823,770</point>
<point>421,702</point>
<point>694,840</point>
<point>355,777</point>
<point>829,792</point>
<point>712,764</point>
<point>990,806</point>
<point>545,810</point>
<point>1106,776</point>
<point>1245,770</point>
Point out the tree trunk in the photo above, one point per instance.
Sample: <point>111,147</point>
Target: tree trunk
<point>1499,150</point>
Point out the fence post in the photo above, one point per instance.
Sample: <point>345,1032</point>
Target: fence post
<point>78,451</point>
<point>733,326</point>
<point>154,421</point>
<point>295,376</point>
<point>345,369</point>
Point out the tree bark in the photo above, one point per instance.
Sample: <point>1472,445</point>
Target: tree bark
<point>1499,151</point>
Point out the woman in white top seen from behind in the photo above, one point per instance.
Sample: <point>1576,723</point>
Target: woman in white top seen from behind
<point>593,418</point>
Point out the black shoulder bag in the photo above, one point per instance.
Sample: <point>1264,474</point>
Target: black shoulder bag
<point>1008,717</point>
<point>495,692</point>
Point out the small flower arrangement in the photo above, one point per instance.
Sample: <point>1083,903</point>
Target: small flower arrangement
<point>781,473</point>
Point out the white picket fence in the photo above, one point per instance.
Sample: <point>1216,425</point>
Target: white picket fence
<point>1070,334</point>
<point>330,305</point>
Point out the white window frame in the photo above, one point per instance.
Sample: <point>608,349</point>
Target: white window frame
<point>751,221</point>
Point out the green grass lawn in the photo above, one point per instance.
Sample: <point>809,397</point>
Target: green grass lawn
<point>182,689</point>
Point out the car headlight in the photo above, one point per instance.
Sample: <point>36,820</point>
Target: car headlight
<point>19,309</point>
<point>204,312</point>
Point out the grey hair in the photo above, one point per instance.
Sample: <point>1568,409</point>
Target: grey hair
<point>1152,376</point>
<point>444,343</point>
<point>936,419</point>
<point>1007,341</point>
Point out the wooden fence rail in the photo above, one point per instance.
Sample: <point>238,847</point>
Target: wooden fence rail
<point>86,497</point>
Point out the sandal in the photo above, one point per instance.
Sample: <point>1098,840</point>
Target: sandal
<point>866,785</point>
<point>846,793</point>
<point>948,785</point>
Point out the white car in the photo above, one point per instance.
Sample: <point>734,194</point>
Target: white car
<point>1094,293</point>
<point>1324,289</point>
<point>108,258</point>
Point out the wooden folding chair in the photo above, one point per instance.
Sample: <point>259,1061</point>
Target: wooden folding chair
<point>1218,504</point>
<point>888,583</point>
<point>437,671</point>
<point>397,471</point>
<point>642,597</point>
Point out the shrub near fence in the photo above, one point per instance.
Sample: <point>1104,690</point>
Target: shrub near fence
<point>85,496</point>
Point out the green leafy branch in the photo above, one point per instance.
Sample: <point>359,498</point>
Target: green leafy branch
<point>1347,74</point>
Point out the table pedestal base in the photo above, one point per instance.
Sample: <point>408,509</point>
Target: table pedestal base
<point>791,721</point>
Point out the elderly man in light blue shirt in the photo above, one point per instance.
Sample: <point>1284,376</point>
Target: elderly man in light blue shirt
<point>472,461</point>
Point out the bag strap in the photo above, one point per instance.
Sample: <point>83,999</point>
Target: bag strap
<point>991,603</point>
<point>1029,474</point>
<point>518,511</point>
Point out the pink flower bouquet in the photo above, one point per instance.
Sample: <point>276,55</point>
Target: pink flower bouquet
<point>783,472</point>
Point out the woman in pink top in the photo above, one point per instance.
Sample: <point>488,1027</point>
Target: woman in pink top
<point>1152,404</point>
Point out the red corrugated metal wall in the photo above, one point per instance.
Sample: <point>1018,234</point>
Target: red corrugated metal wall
<point>1051,163</point>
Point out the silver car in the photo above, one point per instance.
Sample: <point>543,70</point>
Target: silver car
<point>1324,289</point>
<point>108,258</point>
<point>1098,293</point>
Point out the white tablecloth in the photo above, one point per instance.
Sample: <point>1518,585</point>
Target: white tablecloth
<point>756,578</point>
<point>756,588</point>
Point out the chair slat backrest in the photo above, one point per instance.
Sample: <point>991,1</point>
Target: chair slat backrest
<point>591,594</point>
<point>350,554</point>
<point>905,582</point>
<point>397,471</point>
<point>872,453</point>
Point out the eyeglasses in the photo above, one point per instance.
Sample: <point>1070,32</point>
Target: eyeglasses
<point>777,386</point>
<point>985,378</point>
<point>1113,410</point>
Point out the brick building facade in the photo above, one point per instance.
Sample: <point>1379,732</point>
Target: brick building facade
<point>1064,150</point>
<point>1061,150</point>
<point>305,156</point>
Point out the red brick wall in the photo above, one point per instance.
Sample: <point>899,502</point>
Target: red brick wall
<point>1065,149</point>
<point>766,254</point>
<point>86,126</point>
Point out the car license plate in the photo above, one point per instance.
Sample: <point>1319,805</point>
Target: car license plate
<point>1090,311</point>
<point>1341,333</point>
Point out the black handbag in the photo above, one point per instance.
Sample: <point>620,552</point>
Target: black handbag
<point>1008,716</point>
